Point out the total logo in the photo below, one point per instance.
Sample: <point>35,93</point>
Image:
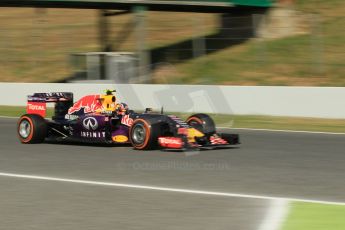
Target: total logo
<point>90,123</point>
<point>36,107</point>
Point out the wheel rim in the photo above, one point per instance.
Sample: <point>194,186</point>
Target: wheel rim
<point>24,129</point>
<point>139,134</point>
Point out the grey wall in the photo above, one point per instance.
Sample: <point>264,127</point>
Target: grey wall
<point>323,102</point>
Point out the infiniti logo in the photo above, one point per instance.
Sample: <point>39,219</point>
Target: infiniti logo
<point>90,123</point>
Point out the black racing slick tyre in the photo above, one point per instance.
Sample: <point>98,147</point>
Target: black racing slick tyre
<point>202,122</point>
<point>31,129</point>
<point>143,135</point>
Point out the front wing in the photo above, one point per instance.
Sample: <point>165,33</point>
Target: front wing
<point>181,142</point>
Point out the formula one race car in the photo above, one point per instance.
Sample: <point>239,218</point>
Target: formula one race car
<point>101,119</point>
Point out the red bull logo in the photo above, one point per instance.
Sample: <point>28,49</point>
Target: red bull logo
<point>126,120</point>
<point>89,103</point>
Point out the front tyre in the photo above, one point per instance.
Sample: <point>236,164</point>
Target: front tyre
<point>202,122</point>
<point>143,135</point>
<point>31,129</point>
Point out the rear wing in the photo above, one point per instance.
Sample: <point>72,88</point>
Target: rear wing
<point>36,103</point>
<point>50,97</point>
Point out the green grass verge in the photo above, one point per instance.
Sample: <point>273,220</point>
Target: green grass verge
<point>313,58</point>
<point>16,111</point>
<point>308,216</point>
<point>37,49</point>
<point>240,121</point>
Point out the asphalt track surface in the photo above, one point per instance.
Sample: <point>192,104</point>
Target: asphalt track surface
<point>280,164</point>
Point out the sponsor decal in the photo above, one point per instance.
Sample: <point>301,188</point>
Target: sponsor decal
<point>90,123</point>
<point>170,142</point>
<point>89,103</point>
<point>126,120</point>
<point>36,108</point>
<point>92,134</point>
<point>216,140</point>
<point>71,117</point>
<point>120,138</point>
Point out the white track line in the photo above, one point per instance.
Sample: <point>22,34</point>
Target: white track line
<point>165,189</point>
<point>283,130</point>
<point>276,215</point>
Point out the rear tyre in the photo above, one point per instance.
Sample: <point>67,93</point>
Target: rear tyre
<point>143,135</point>
<point>31,129</point>
<point>202,122</point>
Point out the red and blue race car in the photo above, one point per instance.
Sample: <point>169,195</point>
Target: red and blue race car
<point>102,119</point>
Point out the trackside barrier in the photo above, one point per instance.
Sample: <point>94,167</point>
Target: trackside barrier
<point>320,102</point>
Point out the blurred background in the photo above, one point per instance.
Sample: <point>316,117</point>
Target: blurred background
<point>293,43</point>
<point>292,137</point>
